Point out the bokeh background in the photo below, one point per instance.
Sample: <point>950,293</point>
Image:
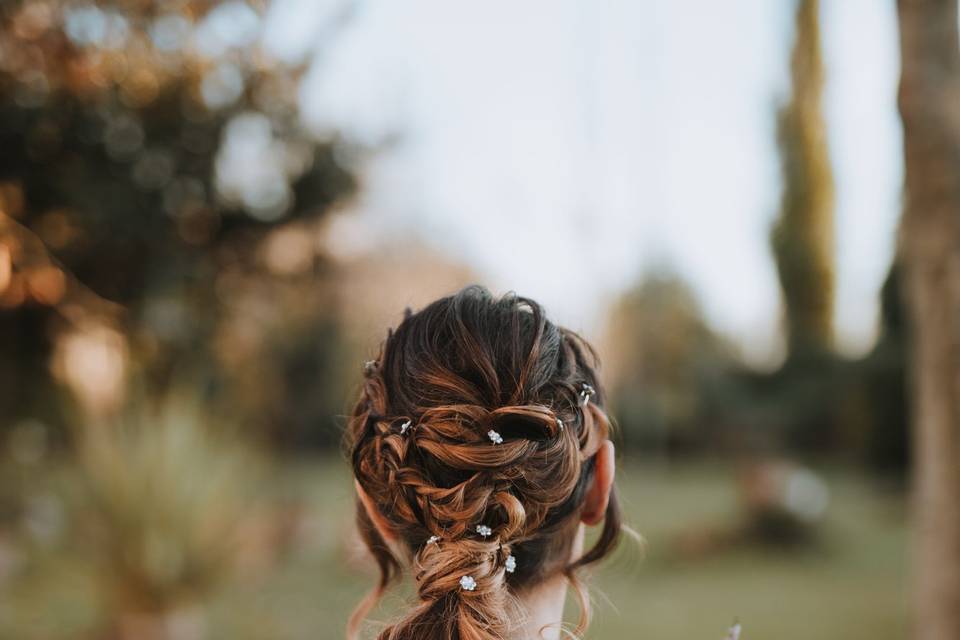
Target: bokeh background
<point>212,210</point>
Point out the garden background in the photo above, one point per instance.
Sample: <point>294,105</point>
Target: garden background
<point>211,211</point>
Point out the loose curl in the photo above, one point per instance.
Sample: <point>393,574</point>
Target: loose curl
<point>418,441</point>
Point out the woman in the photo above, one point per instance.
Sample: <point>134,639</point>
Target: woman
<point>480,451</point>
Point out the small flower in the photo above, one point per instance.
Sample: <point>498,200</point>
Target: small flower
<point>404,427</point>
<point>484,530</point>
<point>734,632</point>
<point>560,424</point>
<point>467,583</point>
<point>433,539</point>
<point>585,392</point>
<point>511,564</point>
<point>495,437</point>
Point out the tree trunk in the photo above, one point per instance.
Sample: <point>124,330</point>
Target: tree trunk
<point>930,249</point>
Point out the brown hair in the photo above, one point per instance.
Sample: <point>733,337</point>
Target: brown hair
<point>463,366</point>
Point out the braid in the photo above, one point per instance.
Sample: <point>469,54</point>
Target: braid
<point>473,440</point>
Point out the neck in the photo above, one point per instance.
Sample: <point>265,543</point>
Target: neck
<point>544,603</point>
<point>544,606</point>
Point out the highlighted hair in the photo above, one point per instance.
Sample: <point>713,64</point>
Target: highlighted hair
<point>463,366</point>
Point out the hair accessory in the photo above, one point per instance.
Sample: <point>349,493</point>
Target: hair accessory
<point>467,583</point>
<point>495,437</point>
<point>484,530</point>
<point>433,539</point>
<point>585,392</point>
<point>511,564</point>
<point>405,427</point>
<point>560,424</point>
<point>734,632</point>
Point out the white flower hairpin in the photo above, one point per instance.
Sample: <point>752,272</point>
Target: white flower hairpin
<point>511,564</point>
<point>433,540</point>
<point>495,437</point>
<point>559,424</point>
<point>405,427</point>
<point>484,530</point>
<point>586,391</point>
<point>467,583</point>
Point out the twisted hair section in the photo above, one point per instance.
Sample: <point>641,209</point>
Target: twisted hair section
<point>474,436</point>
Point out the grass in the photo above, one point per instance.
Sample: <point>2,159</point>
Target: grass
<point>850,586</point>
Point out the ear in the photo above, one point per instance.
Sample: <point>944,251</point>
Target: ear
<point>383,527</point>
<point>598,495</point>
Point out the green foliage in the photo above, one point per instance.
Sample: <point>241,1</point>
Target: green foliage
<point>883,385</point>
<point>164,508</point>
<point>678,388</point>
<point>669,369</point>
<point>803,237</point>
<point>148,152</point>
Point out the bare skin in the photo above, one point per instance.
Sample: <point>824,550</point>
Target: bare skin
<point>544,603</point>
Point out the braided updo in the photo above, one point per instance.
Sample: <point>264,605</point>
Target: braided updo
<point>474,437</point>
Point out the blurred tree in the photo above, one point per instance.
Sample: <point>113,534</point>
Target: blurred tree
<point>669,370</point>
<point>148,148</point>
<point>168,508</point>
<point>802,238</point>
<point>804,392</point>
<point>930,252</point>
<point>882,379</point>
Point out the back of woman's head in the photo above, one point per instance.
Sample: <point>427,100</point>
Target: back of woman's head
<point>474,440</point>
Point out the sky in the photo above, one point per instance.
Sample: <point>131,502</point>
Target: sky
<point>564,148</point>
